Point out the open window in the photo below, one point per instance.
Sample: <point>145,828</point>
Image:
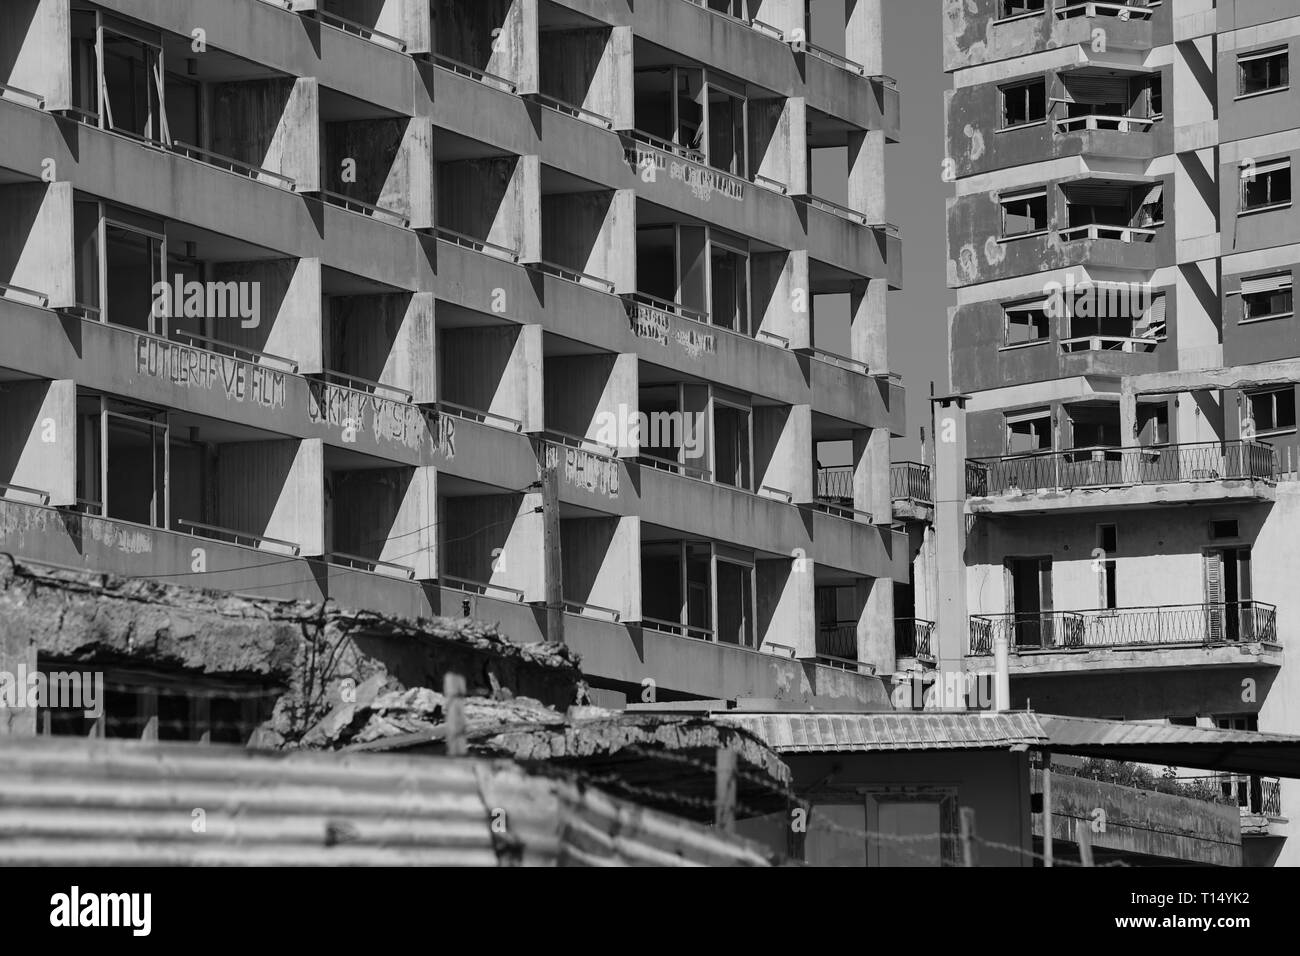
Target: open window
<point>122,460</point>
<point>1266,185</point>
<point>1273,411</point>
<point>1029,432</point>
<point>729,285</point>
<point>733,455</point>
<point>1024,104</point>
<point>118,75</point>
<point>1027,322</point>
<point>1263,71</point>
<point>1019,8</point>
<point>1024,213</point>
<point>1267,297</point>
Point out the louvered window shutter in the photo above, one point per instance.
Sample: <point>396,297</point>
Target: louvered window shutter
<point>1214,594</point>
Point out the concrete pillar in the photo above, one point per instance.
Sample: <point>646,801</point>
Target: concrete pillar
<point>593,232</point>
<point>288,322</point>
<point>1128,423</point>
<point>595,397</point>
<point>787,609</point>
<point>783,449</point>
<point>949,482</point>
<point>276,489</point>
<point>602,564</point>
<point>867,175</point>
<point>413,538</point>
<point>871,491</point>
<point>868,329</point>
<point>522,562</point>
<point>415,177</point>
<point>36,49</point>
<point>515,52</point>
<point>524,208</point>
<point>863,34</point>
<point>876,624</point>
<point>495,369</point>
<point>617,86</point>
<point>38,438</point>
<point>782,297</point>
<point>36,245</point>
<point>295,152</point>
<point>778,134</point>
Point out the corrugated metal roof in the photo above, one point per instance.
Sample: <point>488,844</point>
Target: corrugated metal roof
<point>1241,751</point>
<point>78,802</point>
<point>865,733</point>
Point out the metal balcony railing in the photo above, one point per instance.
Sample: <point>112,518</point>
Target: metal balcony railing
<point>678,629</point>
<point>363,208</point>
<point>835,484</point>
<point>838,642</point>
<point>447,234</point>
<point>910,480</point>
<point>374,565</point>
<point>8,92</point>
<point>1187,624</point>
<point>20,294</point>
<point>232,165</point>
<point>570,109</point>
<point>1258,796</point>
<point>361,30</point>
<point>1110,467</point>
<point>913,637</point>
<point>452,65</point>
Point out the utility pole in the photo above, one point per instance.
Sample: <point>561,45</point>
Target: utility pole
<point>554,569</point>
<point>1047,808</point>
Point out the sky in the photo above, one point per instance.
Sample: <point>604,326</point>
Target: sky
<point>916,194</point>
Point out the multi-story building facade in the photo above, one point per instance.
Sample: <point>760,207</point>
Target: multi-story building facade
<point>1116,477</point>
<point>300,298</point>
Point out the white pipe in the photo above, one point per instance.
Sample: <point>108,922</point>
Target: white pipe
<point>1002,677</point>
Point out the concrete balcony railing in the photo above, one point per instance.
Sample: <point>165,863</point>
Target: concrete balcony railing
<point>1200,625</point>
<point>1097,122</point>
<point>1111,467</point>
<point>1109,343</point>
<point>914,637</point>
<point>1093,231</point>
<point>1121,11</point>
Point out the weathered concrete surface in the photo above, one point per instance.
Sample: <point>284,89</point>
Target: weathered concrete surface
<point>313,652</point>
<point>1142,821</point>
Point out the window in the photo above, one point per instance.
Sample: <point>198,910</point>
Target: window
<point>1263,72</point>
<point>1027,322</point>
<point>1024,103</point>
<point>1024,214</point>
<point>1266,185</point>
<point>1108,542</point>
<point>1156,89</point>
<point>1019,8</point>
<point>1153,424</point>
<point>1273,411</point>
<point>912,829</point>
<point>1266,297</point>
<point>1029,433</point>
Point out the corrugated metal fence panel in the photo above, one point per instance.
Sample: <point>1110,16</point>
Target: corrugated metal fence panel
<point>67,801</point>
<point>76,802</point>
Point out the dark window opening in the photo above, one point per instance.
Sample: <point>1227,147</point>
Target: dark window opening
<point>1262,72</point>
<point>1024,214</point>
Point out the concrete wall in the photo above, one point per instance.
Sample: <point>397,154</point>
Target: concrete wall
<point>36,240</point>
<point>274,488</point>
<point>35,52</point>
<point>384,338</point>
<point>38,438</point>
<point>288,293</point>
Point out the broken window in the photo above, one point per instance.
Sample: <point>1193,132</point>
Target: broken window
<point>729,287</point>
<point>1263,71</point>
<point>1019,8</point>
<point>1024,103</point>
<point>1027,322</point>
<point>1266,185</point>
<point>1153,424</point>
<point>1029,432</point>
<point>1273,411</point>
<point>727,139</point>
<point>733,456</point>
<point>735,603</point>
<point>1267,297</point>
<point>1024,213</point>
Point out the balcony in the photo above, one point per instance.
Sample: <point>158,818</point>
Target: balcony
<point>1242,633</point>
<point>1258,798</point>
<point>837,645</point>
<point>1082,479</point>
<point>1120,11</point>
<point>909,487</point>
<point>914,638</point>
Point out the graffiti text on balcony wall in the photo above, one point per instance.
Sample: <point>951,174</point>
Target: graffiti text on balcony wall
<point>703,182</point>
<point>197,368</point>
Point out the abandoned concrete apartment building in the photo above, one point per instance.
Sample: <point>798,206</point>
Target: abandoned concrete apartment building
<point>299,299</point>
<point>1118,467</point>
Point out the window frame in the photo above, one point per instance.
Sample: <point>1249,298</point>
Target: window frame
<point>1269,168</point>
<point>1286,279</point>
<point>1008,89</point>
<point>1004,199</point>
<point>1273,429</point>
<point>1025,307</point>
<point>1282,53</point>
